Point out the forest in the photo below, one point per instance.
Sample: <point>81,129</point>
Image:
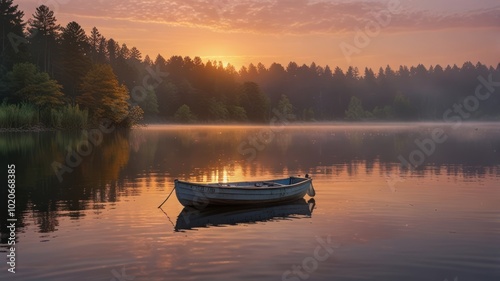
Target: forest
<point>64,77</point>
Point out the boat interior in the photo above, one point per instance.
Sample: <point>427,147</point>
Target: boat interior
<point>269,183</point>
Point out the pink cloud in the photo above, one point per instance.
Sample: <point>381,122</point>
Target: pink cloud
<point>278,17</point>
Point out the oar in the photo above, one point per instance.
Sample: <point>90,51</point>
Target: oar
<point>167,197</point>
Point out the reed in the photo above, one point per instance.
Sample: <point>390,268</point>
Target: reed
<point>18,116</point>
<point>69,117</point>
<point>26,116</point>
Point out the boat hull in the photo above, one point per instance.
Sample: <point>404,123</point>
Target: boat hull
<point>202,195</point>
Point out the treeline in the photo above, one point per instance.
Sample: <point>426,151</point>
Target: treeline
<point>416,93</point>
<point>59,77</point>
<point>52,67</point>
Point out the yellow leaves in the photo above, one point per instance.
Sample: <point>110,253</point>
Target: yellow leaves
<point>103,95</point>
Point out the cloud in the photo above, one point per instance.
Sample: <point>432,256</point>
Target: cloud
<point>283,16</point>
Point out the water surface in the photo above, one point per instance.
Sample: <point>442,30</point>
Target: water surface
<point>384,221</point>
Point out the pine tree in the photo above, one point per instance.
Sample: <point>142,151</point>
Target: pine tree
<point>44,32</point>
<point>12,44</point>
<point>112,49</point>
<point>150,104</point>
<point>74,60</point>
<point>124,52</point>
<point>135,55</point>
<point>147,61</point>
<point>102,51</point>
<point>94,43</point>
<point>255,103</point>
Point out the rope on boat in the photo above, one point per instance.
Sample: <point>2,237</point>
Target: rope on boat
<point>167,197</point>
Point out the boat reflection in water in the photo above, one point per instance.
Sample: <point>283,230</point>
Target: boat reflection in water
<point>190,218</point>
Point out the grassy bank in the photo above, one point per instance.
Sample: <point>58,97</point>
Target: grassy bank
<point>27,116</point>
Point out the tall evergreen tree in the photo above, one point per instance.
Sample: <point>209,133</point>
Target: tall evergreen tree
<point>44,33</point>
<point>112,49</point>
<point>147,61</point>
<point>284,105</point>
<point>123,67</point>
<point>255,102</point>
<point>12,44</point>
<point>135,55</point>
<point>75,61</point>
<point>124,52</point>
<point>102,51</point>
<point>94,44</point>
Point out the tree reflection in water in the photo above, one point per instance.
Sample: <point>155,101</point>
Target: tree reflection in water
<point>126,162</point>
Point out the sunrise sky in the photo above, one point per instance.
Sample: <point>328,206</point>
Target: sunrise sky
<point>407,32</point>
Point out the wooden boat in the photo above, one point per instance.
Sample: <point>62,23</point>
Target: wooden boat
<point>201,195</point>
<point>245,214</point>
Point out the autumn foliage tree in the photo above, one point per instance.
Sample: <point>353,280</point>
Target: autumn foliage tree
<point>104,96</point>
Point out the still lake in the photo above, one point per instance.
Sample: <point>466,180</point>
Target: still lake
<point>372,218</point>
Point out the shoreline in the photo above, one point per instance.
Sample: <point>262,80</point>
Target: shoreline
<point>40,129</point>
